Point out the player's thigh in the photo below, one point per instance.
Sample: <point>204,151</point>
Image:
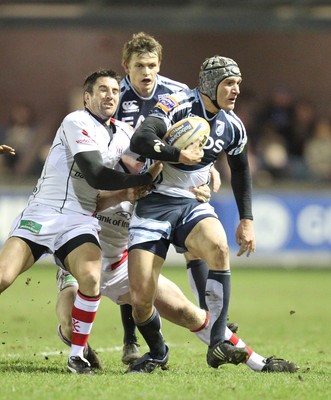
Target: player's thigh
<point>207,240</point>
<point>84,262</point>
<point>15,258</point>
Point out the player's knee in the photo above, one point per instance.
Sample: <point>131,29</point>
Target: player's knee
<point>89,283</point>
<point>142,307</point>
<point>4,284</point>
<point>220,255</point>
<point>5,279</point>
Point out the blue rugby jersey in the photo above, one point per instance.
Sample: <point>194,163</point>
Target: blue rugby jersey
<point>133,108</point>
<point>227,133</point>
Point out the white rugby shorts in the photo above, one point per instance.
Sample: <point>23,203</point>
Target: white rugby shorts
<point>114,283</point>
<point>48,227</point>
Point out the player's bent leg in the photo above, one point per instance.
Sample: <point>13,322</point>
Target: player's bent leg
<point>115,286</point>
<point>259,363</point>
<point>174,306</point>
<point>143,271</point>
<point>207,240</point>
<point>197,271</point>
<point>255,361</point>
<point>84,262</point>
<point>130,352</point>
<point>64,304</point>
<point>67,290</point>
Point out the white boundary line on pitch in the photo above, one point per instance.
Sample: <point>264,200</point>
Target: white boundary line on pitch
<point>62,352</point>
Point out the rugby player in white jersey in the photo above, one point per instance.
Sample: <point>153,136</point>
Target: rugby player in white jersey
<point>171,214</point>
<point>141,89</point>
<point>59,216</point>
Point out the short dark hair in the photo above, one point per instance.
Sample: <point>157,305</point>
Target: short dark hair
<point>92,78</point>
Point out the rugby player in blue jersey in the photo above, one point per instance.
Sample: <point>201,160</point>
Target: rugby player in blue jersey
<point>171,215</point>
<point>141,89</point>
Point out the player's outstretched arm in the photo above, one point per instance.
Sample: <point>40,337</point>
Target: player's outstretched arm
<point>100,177</point>
<point>108,199</point>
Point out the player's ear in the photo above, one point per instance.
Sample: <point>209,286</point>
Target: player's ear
<point>86,97</point>
<point>125,67</point>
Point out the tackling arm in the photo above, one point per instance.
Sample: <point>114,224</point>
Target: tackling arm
<point>100,177</point>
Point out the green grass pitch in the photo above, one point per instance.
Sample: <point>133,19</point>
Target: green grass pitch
<point>282,312</point>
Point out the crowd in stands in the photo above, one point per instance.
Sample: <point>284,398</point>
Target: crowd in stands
<point>289,140</point>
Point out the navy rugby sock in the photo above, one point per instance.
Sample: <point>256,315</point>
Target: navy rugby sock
<point>151,331</point>
<point>128,323</point>
<point>198,274</point>
<point>218,289</point>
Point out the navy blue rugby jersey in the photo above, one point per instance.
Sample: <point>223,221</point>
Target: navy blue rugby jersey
<point>133,108</point>
<point>227,132</point>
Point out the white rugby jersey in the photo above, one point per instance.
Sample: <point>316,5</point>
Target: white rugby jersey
<point>227,133</point>
<point>61,184</point>
<point>134,108</point>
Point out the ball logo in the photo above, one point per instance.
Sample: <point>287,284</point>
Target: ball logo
<point>178,132</point>
<point>186,132</point>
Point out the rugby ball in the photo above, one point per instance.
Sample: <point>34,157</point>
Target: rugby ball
<point>187,131</point>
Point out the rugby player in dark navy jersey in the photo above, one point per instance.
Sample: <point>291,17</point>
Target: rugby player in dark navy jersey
<point>171,214</point>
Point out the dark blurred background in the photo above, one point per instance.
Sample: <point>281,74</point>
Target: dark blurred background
<point>283,48</point>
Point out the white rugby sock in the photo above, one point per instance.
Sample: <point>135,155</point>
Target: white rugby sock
<point>83,314</point>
